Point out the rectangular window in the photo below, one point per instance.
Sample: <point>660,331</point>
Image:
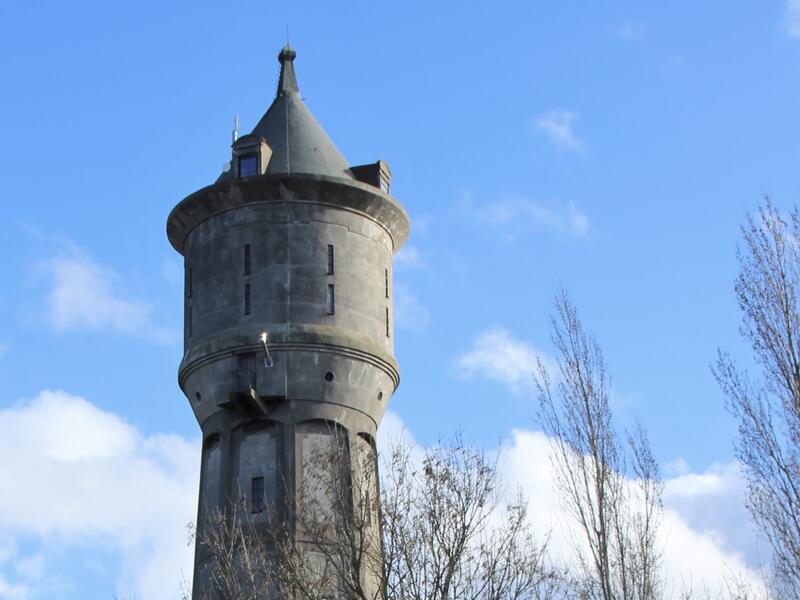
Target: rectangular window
<point>330,259</point>
<point>189,282</point>
<point>257,494</point>
<point>386,281</point>
<point>387,321</point>
<point>247,298</point>
<point>248,165</point>
<point>330,299</point>
<point>247,259</point>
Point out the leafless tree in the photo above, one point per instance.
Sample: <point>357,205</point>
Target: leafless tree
<point>767,407</point>
<point>611,486</point>
<point>238,554</point>
<point>439,529</point>
<point>449,534</point>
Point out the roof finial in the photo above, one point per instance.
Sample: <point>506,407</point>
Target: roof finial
<point>287,81</point>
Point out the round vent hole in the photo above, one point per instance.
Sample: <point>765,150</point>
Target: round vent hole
<point>197,395</point>
<point>380,395</point>
<point>328,376</point>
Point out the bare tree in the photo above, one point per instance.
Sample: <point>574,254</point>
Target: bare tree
<point>336,547</point>
<point>449,534</point>
<point>612,487</point>
<point>439,529</point>
<point>768,408</point>
<point>239,557</point>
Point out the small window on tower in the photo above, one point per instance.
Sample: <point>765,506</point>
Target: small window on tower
<point>330,300</point>
<point>248,165</point>
<point>247,298</point>
<point>387,322</point>
<point>189,282</point>
<point>384,185</point>
<point>247,259</point>
<point>330,259</point>
<point>257,494</point>
<point>386,281</point>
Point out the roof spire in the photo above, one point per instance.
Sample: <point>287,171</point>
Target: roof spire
<point>287,81</point>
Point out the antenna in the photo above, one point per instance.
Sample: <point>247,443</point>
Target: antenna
<point>287,35</point>
<point>235,128</point>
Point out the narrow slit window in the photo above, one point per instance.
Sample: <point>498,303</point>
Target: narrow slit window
<point>330,259</point>
<point>189,282</point>
<point>331,304</point>
<point>247,298</point>
<point>257,494</point>
<point>386,282</point>
<point>387,322</point>
<point>247,259</point>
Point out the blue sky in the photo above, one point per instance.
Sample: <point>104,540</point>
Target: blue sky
<point>612,148</point>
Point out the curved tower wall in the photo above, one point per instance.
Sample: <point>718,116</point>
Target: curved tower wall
<point>260,254</point>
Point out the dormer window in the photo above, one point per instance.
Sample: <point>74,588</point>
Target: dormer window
<point>376,174</point>
<point>251,155</point>
<point>248,165</point>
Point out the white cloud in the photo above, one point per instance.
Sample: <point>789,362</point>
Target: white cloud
<point>409,312</point>
<point>496,355</point>
<point>84,296</point>
<point>697,552</point>
<point>714,500</point>
<point>74,476</point>
<point>557,127</point>
<point>792,20</point>
<point>516,214</point>
<point>630,30</point>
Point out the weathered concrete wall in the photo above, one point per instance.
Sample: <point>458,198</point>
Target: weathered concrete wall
<point>330,372</point>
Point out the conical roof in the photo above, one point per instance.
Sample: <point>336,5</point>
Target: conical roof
<point>298,142</point>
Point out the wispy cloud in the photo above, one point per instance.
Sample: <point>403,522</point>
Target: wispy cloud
<point>792,18</point>
<point>629,30</point>
<point>557,126</point>
<point>497,355</point>
<point>516,214</point>
<point>84,295</point>
<point>409,258</point>
<point>409,312</point>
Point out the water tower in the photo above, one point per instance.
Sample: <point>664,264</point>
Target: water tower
<point>288,322</point>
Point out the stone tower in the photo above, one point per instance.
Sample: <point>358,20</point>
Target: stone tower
<point>293,245</point>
